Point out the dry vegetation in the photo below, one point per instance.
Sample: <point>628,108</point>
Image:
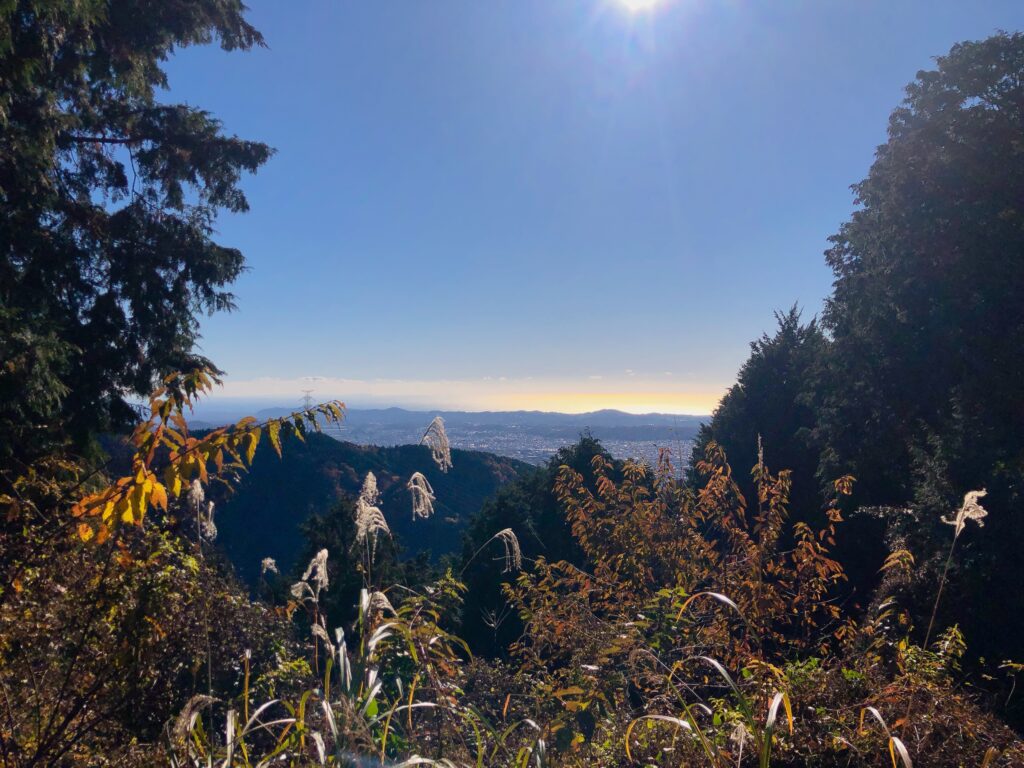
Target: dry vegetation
<point>700,631</point>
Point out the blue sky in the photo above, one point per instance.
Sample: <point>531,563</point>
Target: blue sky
<point>553,204</point>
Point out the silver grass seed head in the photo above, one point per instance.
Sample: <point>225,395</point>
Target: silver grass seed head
<point>207,529</point>
<point>422,496</point>
<point>369,493</point>
<point>436,438</point>
<point>740,735</point>
<point>300,590</point>
<point>370,523</point>
<point>202,509</point>
<point>320,633</point>
<point>379,602</point>
<point>969,510</point>
<point>316,572</point>
<point>196,496</point>
<point>513,555</point>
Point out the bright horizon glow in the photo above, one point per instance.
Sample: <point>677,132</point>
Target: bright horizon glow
<point>631,394</point>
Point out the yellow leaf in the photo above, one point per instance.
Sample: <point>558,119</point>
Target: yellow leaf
<point>252,440</point>
<point>274,432</point>
<point>137,503</point>
<point>123,510</point>
<point>140,503</point>
<point>159,496</point>
<point>172,480</point>
<point>172,436</point>
<point>85,531</point>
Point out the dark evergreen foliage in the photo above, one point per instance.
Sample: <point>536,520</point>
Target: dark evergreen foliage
<point>334,531</point>
<point>767,402</point>
<point>264,515</point>
<point>926,317</point>
<point>919,396</point>
<point>915,389</point>
<point>530,507</point>
<point>108,199</point>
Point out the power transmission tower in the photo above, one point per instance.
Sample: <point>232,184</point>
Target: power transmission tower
<point>307,398</point>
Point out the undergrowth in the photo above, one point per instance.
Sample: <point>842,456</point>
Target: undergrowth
<point>699,630</point>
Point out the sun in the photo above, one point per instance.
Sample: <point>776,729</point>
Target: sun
<point>639,6</point>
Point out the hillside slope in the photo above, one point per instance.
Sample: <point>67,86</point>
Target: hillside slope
<point>261,518</point>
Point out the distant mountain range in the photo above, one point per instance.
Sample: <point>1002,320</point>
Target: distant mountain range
<point>531,436</point>
<point>533,419</point>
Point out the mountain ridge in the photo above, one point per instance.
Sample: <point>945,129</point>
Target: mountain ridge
<point>601,417</point>
<point>261,517</point>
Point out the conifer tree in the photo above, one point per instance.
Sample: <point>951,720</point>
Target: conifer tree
<point>108,199</point>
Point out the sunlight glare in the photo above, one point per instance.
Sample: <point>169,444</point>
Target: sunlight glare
<point>640,6</point>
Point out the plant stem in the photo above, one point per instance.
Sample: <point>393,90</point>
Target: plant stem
<point>206,628</point>
<point>938,596</point>
<point>931,622</point>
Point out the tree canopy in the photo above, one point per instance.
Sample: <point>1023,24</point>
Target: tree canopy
<point>911,384</point>
<point>108,200</point>
<point>926,320</point>
<point>766,404</point>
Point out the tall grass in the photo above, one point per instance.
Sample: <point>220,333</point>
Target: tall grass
<point>398,688</point>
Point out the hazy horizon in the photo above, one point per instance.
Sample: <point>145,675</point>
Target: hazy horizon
<point>225,405</point>
<point>485,394</point>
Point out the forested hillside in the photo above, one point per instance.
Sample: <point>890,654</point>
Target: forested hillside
<point>262,516</point>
